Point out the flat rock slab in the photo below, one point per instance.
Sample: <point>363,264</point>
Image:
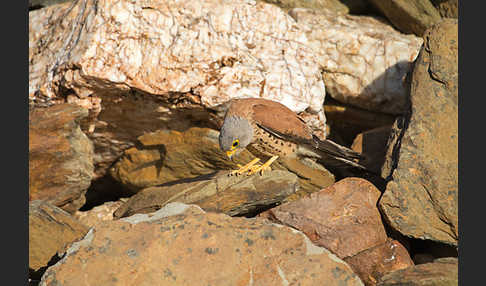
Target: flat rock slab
<point>342,218</point>
<point>441,272</point>
<point>219,192</point>
<point>421,198</point>
<point>51,231</point>
<point>60,156</point>
<point>409,16</point>
<point>182,245</point>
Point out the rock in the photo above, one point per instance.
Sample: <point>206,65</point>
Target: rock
<point>447,8</point>
<point>99,213</point>
<point>167,156</point>
<point>243,49</point>
<point>364,61</point>
<point>441,272</point>
<point>232,195</point>
<point>342,218</point>
<point>410,17</point>
<point>372,144</point>
<point>420,200</point>
<point>51,231</point>
<point>37,4</point>
<point>60,156</point>
<point>172,245</point>
<point>374,263</point>
<point>335,6</point>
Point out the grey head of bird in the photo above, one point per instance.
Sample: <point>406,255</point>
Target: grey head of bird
<point>235,134</point>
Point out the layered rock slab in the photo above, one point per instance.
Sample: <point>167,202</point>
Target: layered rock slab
<point>60,156</point>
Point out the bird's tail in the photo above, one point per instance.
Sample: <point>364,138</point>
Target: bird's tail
<point>337,155</point>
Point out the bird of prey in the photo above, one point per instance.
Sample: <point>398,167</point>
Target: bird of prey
<point>268,129</point>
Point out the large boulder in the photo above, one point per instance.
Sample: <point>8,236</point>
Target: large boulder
<point>421,198</point>
<point>60,156</point>
<point>182,245</point>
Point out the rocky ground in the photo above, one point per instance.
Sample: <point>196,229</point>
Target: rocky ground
<point>127,185</point>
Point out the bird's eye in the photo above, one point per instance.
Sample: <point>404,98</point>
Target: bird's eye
<point>236,143</point>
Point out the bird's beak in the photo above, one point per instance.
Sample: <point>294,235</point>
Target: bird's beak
<point>230,153</point>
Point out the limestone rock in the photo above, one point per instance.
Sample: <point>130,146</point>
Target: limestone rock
<point>99,213</point>
<point>167,156</point>
<point>374,263</point>
<point>372,144</point>
<point>233,195</point>
<point>409,16</point>
<point>60,156</point>
<point>51,231</point>
<point>173,245</point>
<point>421,198</point>
<point>152,65</point>
<point>342,218</point>
<point>441,272</point>
<point>365,61</point>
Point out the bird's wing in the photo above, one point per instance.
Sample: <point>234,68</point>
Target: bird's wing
<point>282,122</point>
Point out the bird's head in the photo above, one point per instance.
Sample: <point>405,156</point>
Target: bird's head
<point>236,133</point>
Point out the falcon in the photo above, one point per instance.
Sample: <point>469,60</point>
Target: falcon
<point>268,129</point>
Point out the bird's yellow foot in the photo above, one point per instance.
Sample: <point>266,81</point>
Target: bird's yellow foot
<point>262,168</point>
<point>245,168</point>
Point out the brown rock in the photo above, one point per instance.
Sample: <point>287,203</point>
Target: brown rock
<point>167,156</point>
<point>99,213</point>
<point>372,143</point>
<point>233,195</point>
<point>335,6</point>
<point>373,263</point>
<point>447,8</point>
<point>441,272</point>
<point>342,218</point>
<point>420,201</point>
<point>413,16</point>
<point>60,156</point>
<point>51,231</point>
<point>182,245</point>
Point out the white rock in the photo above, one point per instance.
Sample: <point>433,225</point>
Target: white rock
<point>364,61</point>
<point>217,49</point>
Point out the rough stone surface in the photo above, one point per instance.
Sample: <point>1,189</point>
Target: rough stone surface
<point>421,198</point>
<point>60,156</point>
<point>441,272</point>
<point>372,144</point>
<point>167,156</point>
<point>447,8</point>
<point>243,49</point>
<point>335,6</point>
<point>409,16</point>
<point>141,66</point>
<point>365,61</point>
<point>171,246</point>
<point>233,195</point>
<point>342,218</point>
<point>372,264</point>
<point>51,230</point>
<point>99,213</point>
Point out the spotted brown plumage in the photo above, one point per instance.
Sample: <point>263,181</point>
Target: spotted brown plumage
<point>270,130</point>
